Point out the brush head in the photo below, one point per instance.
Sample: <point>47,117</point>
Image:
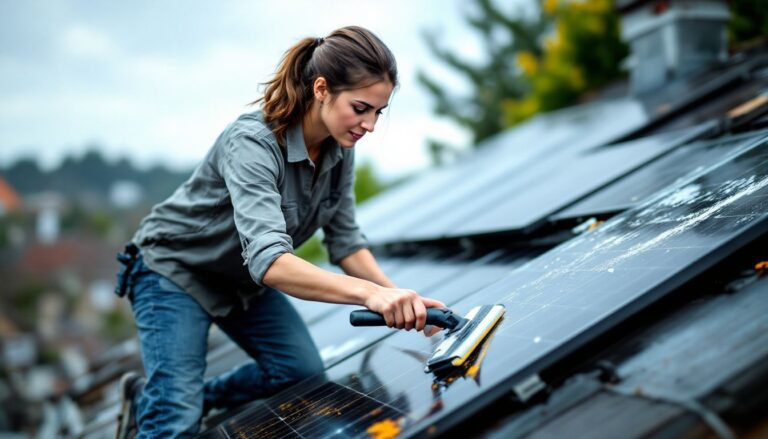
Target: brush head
<point>458,345</point>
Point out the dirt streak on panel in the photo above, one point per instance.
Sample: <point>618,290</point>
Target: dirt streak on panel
<point>386,429</point>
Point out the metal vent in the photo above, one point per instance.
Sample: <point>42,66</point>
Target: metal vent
<point>671,39</point>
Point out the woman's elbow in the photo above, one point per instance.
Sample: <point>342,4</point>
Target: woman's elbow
<point>276,272</point>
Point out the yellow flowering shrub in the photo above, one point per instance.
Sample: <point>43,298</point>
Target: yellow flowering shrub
<point>582,51</point>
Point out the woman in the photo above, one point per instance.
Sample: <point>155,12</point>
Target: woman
<point>220,249</point>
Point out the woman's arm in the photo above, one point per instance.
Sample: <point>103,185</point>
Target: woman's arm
<point>363,265</point>
<point>401,308</point>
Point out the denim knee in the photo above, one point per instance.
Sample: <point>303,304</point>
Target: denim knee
<point>309,366</point>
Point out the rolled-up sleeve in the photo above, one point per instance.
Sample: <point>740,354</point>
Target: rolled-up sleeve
<point>342,235</point>
<point>251,171</point>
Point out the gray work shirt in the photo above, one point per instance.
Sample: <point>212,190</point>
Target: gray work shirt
<point>247,203</point>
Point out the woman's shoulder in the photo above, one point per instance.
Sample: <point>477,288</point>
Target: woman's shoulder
<point>252,125</point>
<point>247,139</point>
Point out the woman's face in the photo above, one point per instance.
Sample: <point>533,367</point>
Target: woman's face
<point>354,112</point>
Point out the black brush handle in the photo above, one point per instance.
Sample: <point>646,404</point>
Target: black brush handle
<point>442,317</point>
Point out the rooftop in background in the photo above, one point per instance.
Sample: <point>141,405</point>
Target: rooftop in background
<point>9,199</point>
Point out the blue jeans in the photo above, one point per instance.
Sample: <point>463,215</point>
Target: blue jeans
<point>173,333</point>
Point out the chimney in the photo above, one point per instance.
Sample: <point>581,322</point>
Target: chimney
<point>671,39</point>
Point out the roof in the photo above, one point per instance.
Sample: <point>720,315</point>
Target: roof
<point>651,322</point>
<point>9,199</point>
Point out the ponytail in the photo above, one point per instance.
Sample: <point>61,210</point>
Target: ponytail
<point>286,97</point>
<point>350,57</point>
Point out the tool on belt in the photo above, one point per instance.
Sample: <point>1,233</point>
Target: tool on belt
<point>127,260</point>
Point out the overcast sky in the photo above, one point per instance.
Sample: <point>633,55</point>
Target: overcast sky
<point>157,81</point>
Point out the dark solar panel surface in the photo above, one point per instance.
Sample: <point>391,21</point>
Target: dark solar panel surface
<point>520,201</point>
<point>379,211</point>
<point>441,197</point>
<point>555,304</point>
<point>635,187</point>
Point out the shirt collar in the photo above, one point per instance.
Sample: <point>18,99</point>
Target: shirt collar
<point>297,149</point>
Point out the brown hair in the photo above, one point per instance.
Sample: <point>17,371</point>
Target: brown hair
<point>350,57</point>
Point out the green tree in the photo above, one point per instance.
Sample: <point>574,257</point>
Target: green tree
<point>367,184</point>
<point>749,21</point>
<point>116,325</point>
<point>313,251</point>
<point>100,222</point>
<point>24,302</point>
<point>546,60</point>
<point>534,62</point>
<point>91,175</point>
<point>492,81</point>
<point>582,51</point>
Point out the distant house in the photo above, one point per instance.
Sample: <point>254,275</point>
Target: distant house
<point>10,201</point>
<point>86,258</point>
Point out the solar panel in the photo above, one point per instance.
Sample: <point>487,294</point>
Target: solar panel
<point>555,304</point>
<point>442,197</point>
<point>522,201</point>
<point>635,187</point>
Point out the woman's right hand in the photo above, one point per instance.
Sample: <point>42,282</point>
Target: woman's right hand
<point>402,308</point>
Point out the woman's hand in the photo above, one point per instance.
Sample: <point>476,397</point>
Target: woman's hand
<point>402,308</point>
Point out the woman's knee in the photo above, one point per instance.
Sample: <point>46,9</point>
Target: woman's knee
<point>309,367</point>
<point>299,370</point>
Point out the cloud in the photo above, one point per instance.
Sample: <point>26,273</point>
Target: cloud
<point>158,83</point>
<point>83,41</point>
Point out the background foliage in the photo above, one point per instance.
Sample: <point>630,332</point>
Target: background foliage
<point>537,61</point>
<point>542,60</point>
<point>749,22</point>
